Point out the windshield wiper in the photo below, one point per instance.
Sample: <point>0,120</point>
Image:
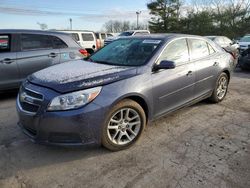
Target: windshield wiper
<point>105,62</point>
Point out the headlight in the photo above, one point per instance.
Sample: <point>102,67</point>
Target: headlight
<point>74,100</point>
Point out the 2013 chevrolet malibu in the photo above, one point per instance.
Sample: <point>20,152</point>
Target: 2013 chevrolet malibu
<point>109,98</point>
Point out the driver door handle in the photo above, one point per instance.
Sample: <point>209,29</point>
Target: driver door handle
<point>7,61</point>
<point>189,73</point>
<point>52,55</point>
<point>215,64</point>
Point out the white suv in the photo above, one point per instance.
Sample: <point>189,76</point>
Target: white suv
<point>126,34</point>
<point>87,39</point>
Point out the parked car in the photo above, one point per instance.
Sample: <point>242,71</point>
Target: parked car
<point>86,39</point>
<point>100,37</point>
<point>244,43</point>
<point>110,98</point>
<point>23,52</point>
<point>228,45</point>
<point>126,34</point>
<point>244,60</point>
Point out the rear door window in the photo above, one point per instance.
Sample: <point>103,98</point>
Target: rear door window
<point>4,43</point>
<point>176,51</point>
<point>199,48</point>
<point>87,37</point>
<point>35,42</point>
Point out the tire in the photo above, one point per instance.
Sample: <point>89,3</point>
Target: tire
<point>120,130</point>
<point>222,85</point>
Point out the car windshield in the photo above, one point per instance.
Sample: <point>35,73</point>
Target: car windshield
<point>127,33</point>
<point>126,52</point>
<point>245,39</point>
<point>211,38</point>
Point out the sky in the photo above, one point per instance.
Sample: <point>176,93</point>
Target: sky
<point>85,14</point>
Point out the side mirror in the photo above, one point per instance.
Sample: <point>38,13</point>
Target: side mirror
<point>164,64</point>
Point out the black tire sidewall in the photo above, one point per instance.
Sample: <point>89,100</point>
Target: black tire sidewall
<point>123,104</point>
<point>214,97</point>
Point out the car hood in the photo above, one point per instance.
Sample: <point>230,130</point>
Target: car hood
<point>77,75</point>
<point>244,43</point>
<point>113,38</point>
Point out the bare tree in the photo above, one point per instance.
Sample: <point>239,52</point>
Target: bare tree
<point>43,26</point>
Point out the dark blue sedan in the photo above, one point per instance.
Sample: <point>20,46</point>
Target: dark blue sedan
<point>109,98</point>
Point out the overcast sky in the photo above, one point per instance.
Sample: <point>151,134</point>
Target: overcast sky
<point>90,14</point>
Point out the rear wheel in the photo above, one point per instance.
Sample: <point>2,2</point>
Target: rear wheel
<point>220,89</point>
<point>123,126</point>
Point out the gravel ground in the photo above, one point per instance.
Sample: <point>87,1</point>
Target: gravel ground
<point>205,145</point>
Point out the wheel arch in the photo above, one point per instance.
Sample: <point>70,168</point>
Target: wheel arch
<point>228,73</point>
<point>140,100</point>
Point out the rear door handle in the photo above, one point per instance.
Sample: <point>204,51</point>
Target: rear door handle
<point>7,61</point>
<point>52,55</point>
<point>189,73</point>
<point>215,64</point>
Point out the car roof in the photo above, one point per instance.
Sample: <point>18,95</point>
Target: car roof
<point>66,30</point>
<point>165,36</point>
<point>31,31</point>
<point>136,30</point>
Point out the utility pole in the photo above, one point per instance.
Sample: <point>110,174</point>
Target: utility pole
<point>70,22</point>
<point>137,14</point>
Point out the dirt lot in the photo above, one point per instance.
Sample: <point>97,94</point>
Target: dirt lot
<point>205,145</point>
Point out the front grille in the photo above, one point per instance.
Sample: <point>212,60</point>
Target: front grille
<point>29,100</point>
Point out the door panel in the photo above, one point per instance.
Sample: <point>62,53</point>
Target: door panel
<point>205,75</point>
<point>204,58</point>
<point>9,73</point>
<point>32,61</point>
<point>36,53</point>
<point>172,88</point>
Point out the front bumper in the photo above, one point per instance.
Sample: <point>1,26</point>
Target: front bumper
<point>73,127</point>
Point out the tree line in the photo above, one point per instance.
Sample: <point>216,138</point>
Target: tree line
<point>200,17</point>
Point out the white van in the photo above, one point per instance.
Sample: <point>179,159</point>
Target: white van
<point>87,39</point>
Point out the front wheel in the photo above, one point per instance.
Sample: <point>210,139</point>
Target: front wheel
<point>123,126</point>
<point>220,89</point>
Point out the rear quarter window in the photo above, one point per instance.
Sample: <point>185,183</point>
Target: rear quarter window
<point>59,43</point>
<point>4,43</point>
<point>87,37</point>
<point>211,49</point>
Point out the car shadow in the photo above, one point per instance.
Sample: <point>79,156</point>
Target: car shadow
<point>22,154</point>
<point>238,72</point>
<point>10,94</point>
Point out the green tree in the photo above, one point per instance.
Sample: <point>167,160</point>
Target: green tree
<point>165,15</point>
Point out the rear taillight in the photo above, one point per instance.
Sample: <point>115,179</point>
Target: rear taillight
<point>84,52</point>
<point>233,54</point>
<point>98,44</point>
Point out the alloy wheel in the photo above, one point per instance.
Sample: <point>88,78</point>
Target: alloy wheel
<point>124,126</point>
<point>222,87</point>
